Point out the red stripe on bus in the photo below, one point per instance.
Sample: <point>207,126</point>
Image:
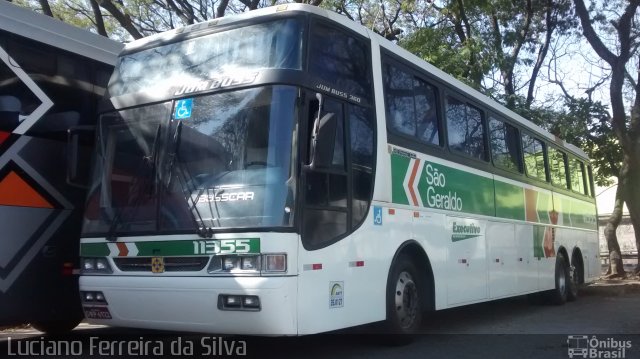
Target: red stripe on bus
<point>414,172</point>
<point>123,249</point>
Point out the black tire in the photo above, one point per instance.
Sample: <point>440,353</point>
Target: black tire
<point>574,281</point>
<point>56,327</point>
<point>405,305</point>
<point>560,294</point>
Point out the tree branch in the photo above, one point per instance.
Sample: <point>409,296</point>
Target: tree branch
<point>222,7</point>
<point>122,18</point>
<point>99,20</point>
<point>542,54</point>
<point>590,33</point>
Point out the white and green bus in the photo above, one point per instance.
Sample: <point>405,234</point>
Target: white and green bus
<point>288,172</point>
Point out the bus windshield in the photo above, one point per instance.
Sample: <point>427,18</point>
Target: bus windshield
<point>225,163</point>
<point>269,45</point>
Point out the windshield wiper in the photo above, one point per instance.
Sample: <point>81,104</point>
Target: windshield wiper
<point>185,176</point>
<point>152,161</point>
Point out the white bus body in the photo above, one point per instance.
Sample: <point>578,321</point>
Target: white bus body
<point>472,233</point>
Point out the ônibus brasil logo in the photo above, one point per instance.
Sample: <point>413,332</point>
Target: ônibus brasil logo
<point>581,346</point>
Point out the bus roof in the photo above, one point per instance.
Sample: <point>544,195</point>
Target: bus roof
<point>50,31</point>
<point>491,104</point>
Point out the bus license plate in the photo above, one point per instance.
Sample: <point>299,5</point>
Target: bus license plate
<point>97,313</point>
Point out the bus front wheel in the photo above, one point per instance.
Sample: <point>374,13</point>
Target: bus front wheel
<point>404,302</point>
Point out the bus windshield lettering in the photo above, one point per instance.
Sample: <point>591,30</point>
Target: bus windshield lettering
<point>218,61</point>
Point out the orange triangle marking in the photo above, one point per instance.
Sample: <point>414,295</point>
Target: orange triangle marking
<point>14,191</point>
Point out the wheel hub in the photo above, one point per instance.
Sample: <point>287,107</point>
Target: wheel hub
<point>562,281</point>
<point>406,300</point>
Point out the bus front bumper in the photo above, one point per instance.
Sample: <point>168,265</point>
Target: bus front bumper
<point>191,303</point>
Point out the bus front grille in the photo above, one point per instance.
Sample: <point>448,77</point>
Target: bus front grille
<point>171,264</point>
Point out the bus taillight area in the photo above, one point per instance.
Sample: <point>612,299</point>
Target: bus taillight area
<point>195,304</point>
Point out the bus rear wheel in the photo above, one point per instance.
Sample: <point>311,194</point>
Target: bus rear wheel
<point>576,277</point>
<point>573,284</point>
<point>560,294</point>
<point>404,302</point>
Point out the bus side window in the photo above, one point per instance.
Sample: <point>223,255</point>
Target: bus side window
<point>426,115</point>
<point>399,100</point>
<point>533,150</point>
<point>465,128</point>
<point>504,145</point>
<point>557,167</point>
<point>410,105</point>
<point>577,175</point>
<point>340,59</point>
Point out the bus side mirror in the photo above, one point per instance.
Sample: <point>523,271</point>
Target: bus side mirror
<point>78,161</point>
<point>322,138</point>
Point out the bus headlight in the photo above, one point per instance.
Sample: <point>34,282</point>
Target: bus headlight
<point>95,265</point>
<point>248,264</point>
<point>88,264</point>
<point>102,264</point>
<point>234,264</point>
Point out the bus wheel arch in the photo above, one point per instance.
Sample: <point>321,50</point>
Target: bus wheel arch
<point>410,257</point>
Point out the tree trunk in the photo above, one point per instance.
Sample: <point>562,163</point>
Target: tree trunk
<point>46,9</point>
<point>633,204</point>
<point>636,228</point>
<point>616,267</point>
<point>633,197</point>
<point>97,14</point>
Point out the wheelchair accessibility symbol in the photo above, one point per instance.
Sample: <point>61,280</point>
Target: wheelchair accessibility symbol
<point>377,216</point>
<point>183,109</point>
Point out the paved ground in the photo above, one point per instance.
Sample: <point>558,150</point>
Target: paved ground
<point>511,328</point>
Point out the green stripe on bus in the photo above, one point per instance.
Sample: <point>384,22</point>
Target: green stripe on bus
<point>399,168</point>
<point>165,248</point>
<point>509,201</point>
<point>448,188</point>
<point>444,187</point>
<point>94,250</point>
<point>172,248</point>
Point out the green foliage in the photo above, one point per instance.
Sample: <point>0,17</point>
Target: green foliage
<point>439,47</point>
<point>586,124</point>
